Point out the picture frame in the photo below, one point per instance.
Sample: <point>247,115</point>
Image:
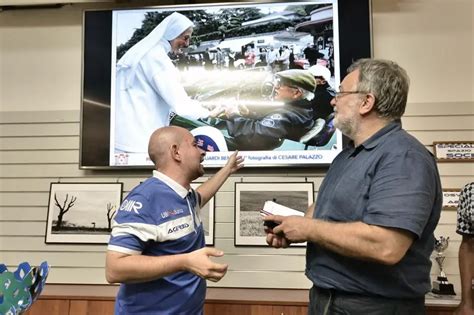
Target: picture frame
<point>206,216</point>
<point>249,200</point>
<point>451,198</point>
<point>82,213</point>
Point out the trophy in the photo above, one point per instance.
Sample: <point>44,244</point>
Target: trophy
<point>441,284</point>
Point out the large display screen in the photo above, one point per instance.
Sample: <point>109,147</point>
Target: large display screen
<point>234,75</point>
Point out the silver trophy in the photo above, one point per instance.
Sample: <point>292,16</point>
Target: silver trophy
<point>441,284</point>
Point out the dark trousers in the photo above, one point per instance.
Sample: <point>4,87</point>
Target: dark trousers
<point>331,302</point>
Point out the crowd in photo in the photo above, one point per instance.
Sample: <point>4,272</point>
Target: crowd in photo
<point>274,57</point>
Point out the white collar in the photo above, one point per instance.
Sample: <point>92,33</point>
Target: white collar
<point>180,190</point>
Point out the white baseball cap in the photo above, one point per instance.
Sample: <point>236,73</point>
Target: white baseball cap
<point>320,71</point>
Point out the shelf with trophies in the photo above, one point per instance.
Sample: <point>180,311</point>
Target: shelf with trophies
<point>441,285</point>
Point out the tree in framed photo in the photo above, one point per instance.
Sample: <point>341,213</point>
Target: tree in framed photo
<point>82,212</point>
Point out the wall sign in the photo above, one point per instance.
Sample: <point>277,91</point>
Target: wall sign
<point>451,198</point>
<point>454,151</point>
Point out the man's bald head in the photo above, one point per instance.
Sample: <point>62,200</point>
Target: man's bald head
<point>161,141</point>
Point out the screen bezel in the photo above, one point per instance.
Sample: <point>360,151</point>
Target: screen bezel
<point>355,37</point>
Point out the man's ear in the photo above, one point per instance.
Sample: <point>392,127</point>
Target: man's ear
<point>175,152</point>
<point>368,104</point>
<point>297,94</point>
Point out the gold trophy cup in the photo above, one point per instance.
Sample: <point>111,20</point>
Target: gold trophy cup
<point>441,285</point>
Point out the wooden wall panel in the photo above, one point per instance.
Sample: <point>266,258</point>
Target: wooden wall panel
<point>454,108</point>
<point>437,123</point>
<point>28,228</point>
<point>39,171</point>
<point>41,116</point>
<point>39,157</point>
<point>37,244</point>
<point>253,309</point>
<point>87,307</point>
<point>24,198</point>
<point>447,230</point>
<point>40,129</point>
<point>39,143</point>
<point>232,309</point>
<point>458,181</point>
<point>60,259</point>
<point>458,169</point>
<point>427,137</point>
<point>44,149</point>
<point>263,279</point>
<point>26,184</point>
<point>289,310</point>
<point>237,262</point>
<point>74,275</point>
<point>72,305</point>
<point>49,307</point>
<point>22,213</point>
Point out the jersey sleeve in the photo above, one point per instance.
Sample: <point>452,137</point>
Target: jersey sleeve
<point>133,226</point>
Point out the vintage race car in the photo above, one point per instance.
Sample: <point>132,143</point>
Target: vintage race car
<point>253,88</point>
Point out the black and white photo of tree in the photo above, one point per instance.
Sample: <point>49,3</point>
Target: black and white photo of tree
<point>82,210</point>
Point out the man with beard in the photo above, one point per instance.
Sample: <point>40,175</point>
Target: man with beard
<point>370,236</point>
<point>291,121</point>
<point>157,249</point>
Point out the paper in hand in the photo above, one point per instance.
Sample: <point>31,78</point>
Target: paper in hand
<point>273,208</point>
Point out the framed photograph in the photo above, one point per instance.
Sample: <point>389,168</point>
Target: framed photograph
<point>250,198</point>
<point>207,218</point>
<point>82,212</point>
<point>451,198</point>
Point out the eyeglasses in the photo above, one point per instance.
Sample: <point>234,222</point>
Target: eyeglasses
<point>342,93</point>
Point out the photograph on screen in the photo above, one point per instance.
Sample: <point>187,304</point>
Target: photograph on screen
<point>257,78</point>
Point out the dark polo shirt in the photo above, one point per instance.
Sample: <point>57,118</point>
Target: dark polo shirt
<point>391,180</point>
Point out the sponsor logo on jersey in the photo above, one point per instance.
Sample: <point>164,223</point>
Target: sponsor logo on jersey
<point>131,205</point>
<point>268,122</point>
<point>276,116</point>
<point>170,213</point>
<point>177,228</point>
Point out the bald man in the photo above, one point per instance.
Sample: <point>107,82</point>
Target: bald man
<point>157,249</point>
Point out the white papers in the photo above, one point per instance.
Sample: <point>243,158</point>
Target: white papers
<point>273,208</point>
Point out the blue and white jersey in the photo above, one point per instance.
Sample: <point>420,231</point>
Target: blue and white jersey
<point>159,217</point>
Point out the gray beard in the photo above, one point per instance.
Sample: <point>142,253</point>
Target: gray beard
<point>347,127</point>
